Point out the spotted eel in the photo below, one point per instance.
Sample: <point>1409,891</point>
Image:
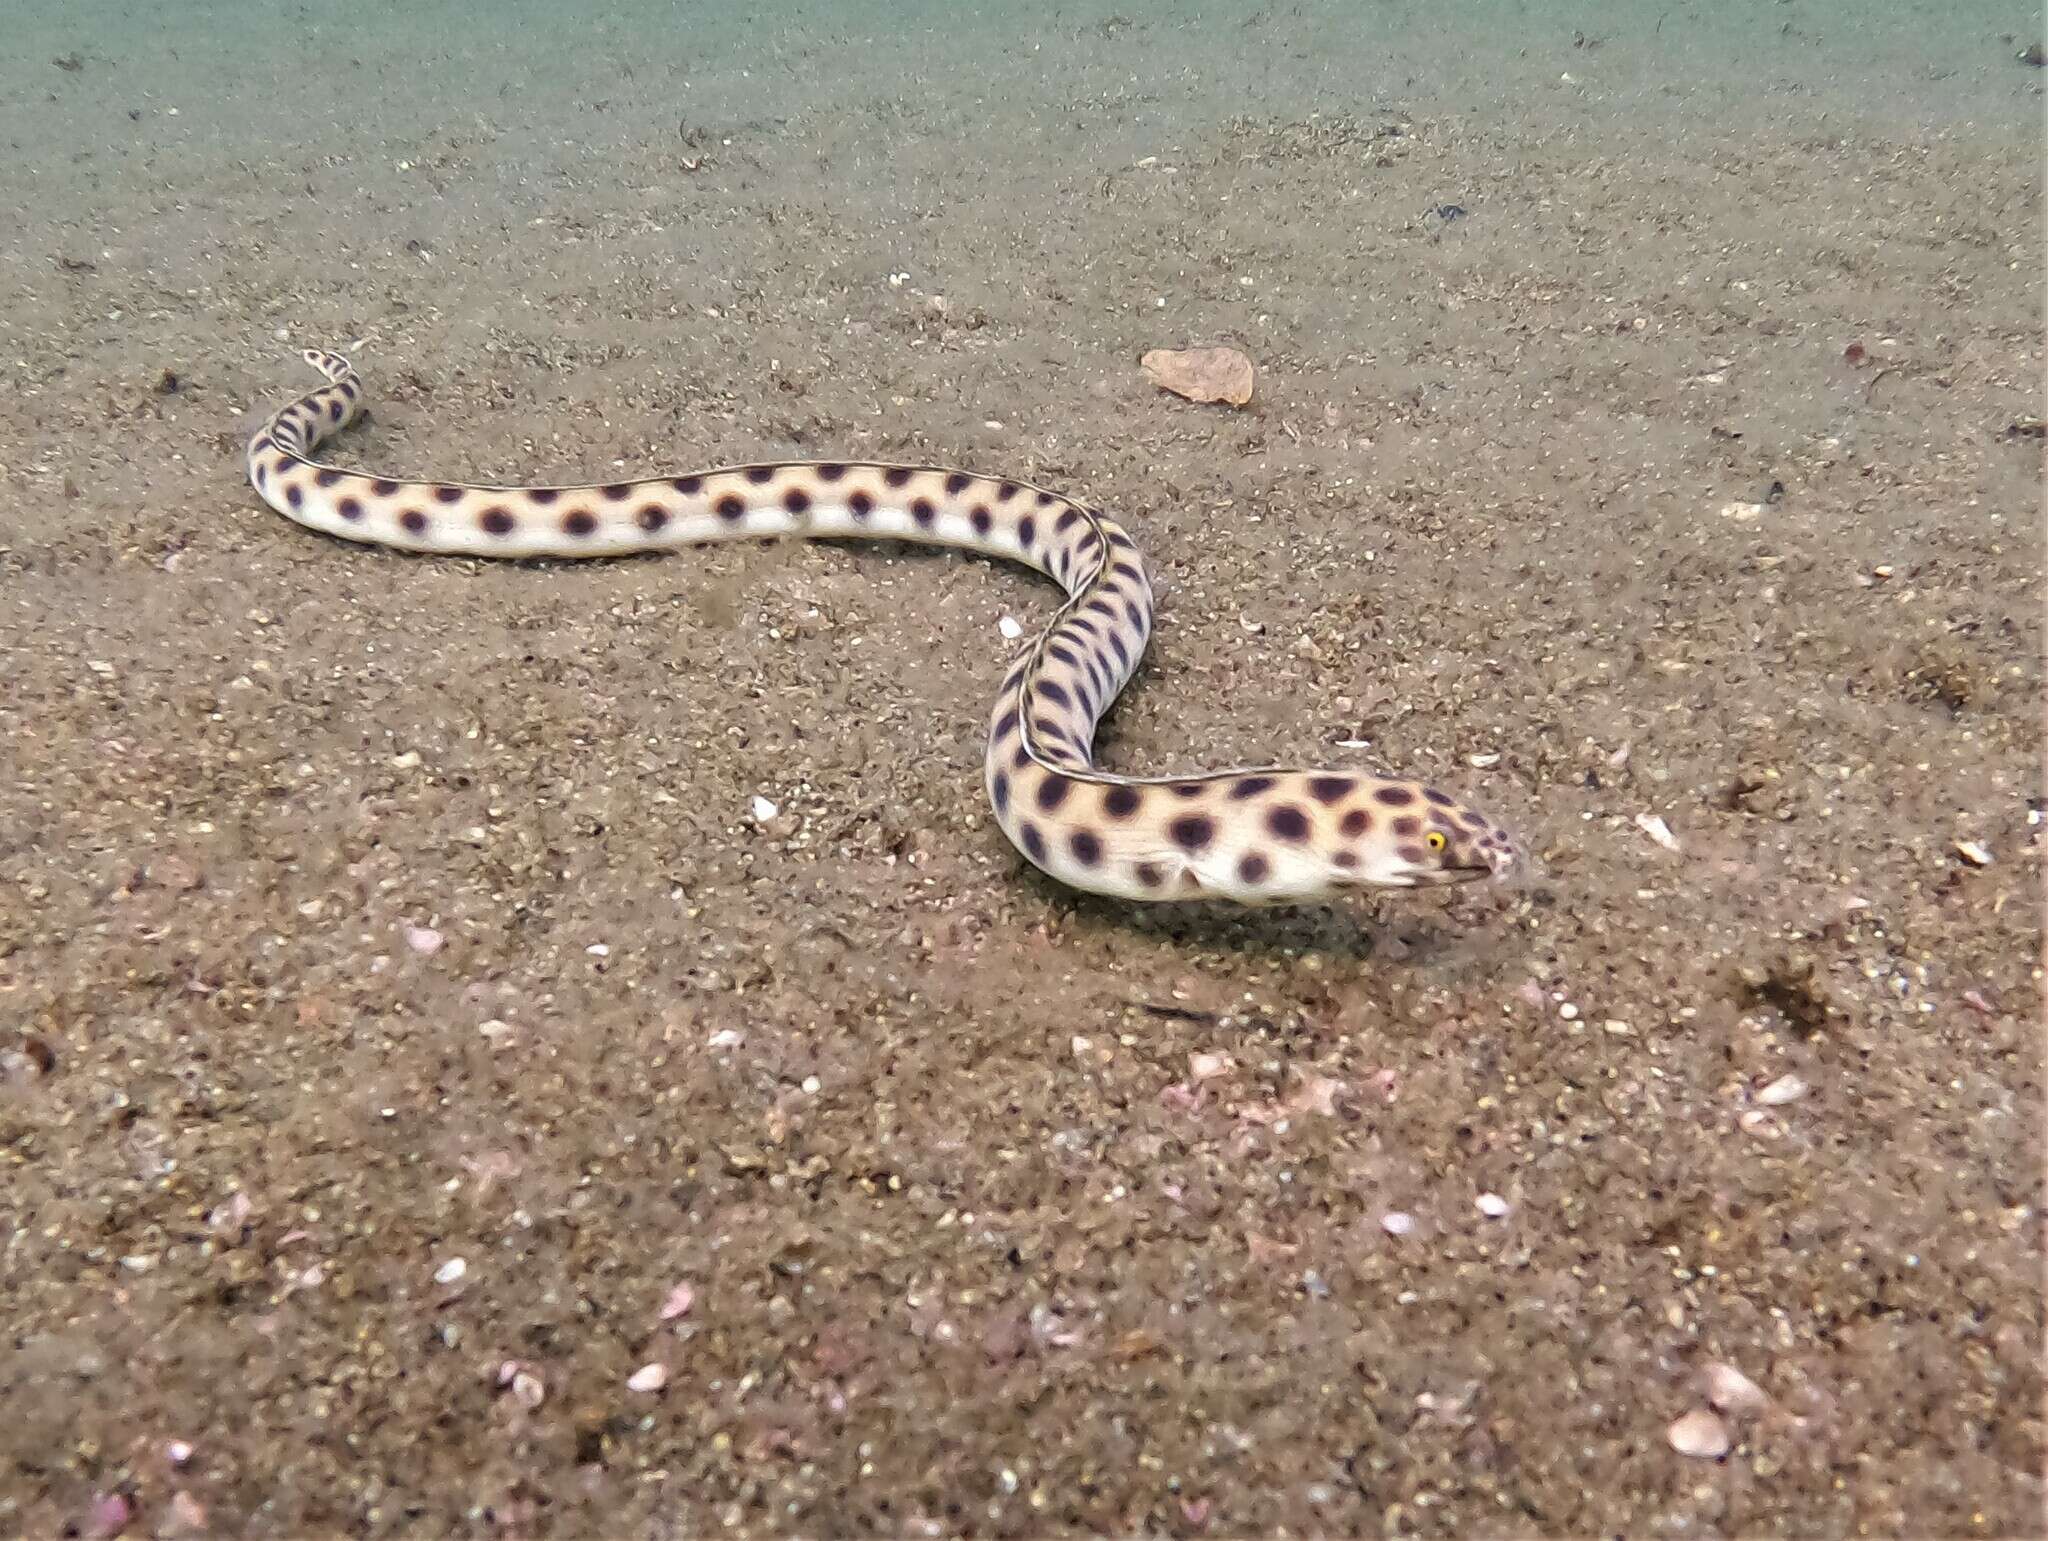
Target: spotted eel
<point>1250,836</point>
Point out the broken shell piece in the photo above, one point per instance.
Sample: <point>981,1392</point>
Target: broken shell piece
<point>1973,853</point>
<point>764,810</point>
<point>1787,1088</point>
<point>1732,1391</point>
<point>1208,1066</point>
<point>450,1271</point>
<point>1657,830</point>
<point>1201,374</point>
<point>649,1377</point>
<point>1699,1433</point>
<point>679,1301</point>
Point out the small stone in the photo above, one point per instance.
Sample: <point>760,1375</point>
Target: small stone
<point>1491,1205</point>
<point>108,1517</point>
<point>1397,1222</point>
<point>450,1271</point>
<point>1010,629</point>
<point>1700,1434</point>
<point>527,1390</point>
<point>1973,853</point>
<point>1206,1066</point>
<point>424,940</point>
<point>649,1377</point>
<point>184,1516</point>
<point>764,810</point>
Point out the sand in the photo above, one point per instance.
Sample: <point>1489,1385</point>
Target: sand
<point>401,1002</point>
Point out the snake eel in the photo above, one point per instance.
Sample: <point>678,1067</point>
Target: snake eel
<point>1254,836</point>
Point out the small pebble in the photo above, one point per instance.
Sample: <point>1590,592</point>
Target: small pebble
<point>1009,628</point>
<point>1397,1222</point>
<point>186,1516</point>
<point>527,1390</point>
<point>764,810</point>
<point>178,1452</point>
<point>1491,1205</point>
<point>1973,853</point>
<point>1207,1066</point>
<point>424,940</point>
<point>109,1516</point>
<point>649,1377</point>
<point>450,1271</point>
<point>1699,1433</point>
<point>724,1038</point>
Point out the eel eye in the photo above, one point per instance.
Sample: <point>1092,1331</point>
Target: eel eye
<point>1435,840</point>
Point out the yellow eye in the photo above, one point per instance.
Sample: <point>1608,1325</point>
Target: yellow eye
<point>1435,840</point>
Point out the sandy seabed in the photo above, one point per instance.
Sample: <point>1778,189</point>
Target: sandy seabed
<point>410,1034</point>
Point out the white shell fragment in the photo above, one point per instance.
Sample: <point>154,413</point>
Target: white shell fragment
<point>1733,1392</point>
<point>1787,1088</point>
<point>1010,628</point>
<point>1973,853</point>
<point>649,1377</point>
<point>1699,1433</point>
<point>1397,1223</point>
<point>764,810</point>
<point>1207,1066</point>
<point>1491,1205</point>
<point>450,1271</point>
<point>1657,830</point>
